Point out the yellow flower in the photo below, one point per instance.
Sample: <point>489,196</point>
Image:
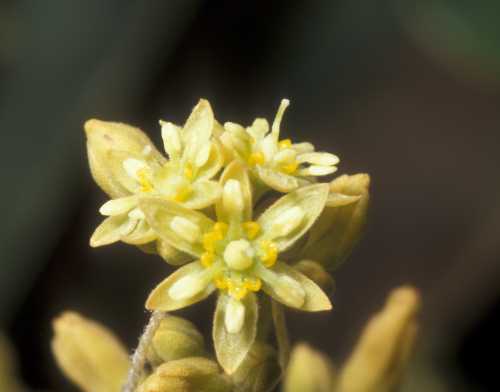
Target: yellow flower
<point>238,256</point>
<point>279,164</point>
<point>128,167</point>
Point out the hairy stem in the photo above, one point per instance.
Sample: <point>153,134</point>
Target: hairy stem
<point>139,356</point>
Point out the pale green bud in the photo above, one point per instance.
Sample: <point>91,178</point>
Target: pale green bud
<point>89,354</point>
<point>340,225</point>
<point>8,368</point>
<point>175,338</point>
<point>308,371</point>
<point>187,375</point>
<point>259,371</point>
<point>382,352</point>
<point>317,273</point>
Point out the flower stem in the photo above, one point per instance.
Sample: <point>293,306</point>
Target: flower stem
<point>139,356</point>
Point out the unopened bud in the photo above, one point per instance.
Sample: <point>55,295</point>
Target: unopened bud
<point>105,137</point>
<point>259,371</point>
<point>317,273</point>
<point>382,352</point>
<point>340,225</point>
<point>193,374</point>
<point>175,338</point>
<point>308,371</point>
<point>89,354</point>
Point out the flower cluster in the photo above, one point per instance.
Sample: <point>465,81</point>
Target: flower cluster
<point>197,208</point>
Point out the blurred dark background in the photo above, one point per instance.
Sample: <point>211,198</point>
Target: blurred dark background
<point>406,91</point>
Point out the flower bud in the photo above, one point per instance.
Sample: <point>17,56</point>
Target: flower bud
<point>340,225</point>
<point>193,374</point>
<point>308,371</point>
<point>104,137</point>
<point>382,352</point>
<point>8,368</point>
<point>171,255</point>
<point>259,371</point>
<point>89,354</point>
<point>175,338</point>
<point>317,273</point>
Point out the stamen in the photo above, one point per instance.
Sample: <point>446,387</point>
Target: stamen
<point>236,291</point>
<point>252,229</point>
<point>290,168</point>
<point>182,194</point>
<point>207,259</point>
<point>285,143</point>
<point>144,182</point>
<point>256,158</point>
<point>221,227</point>
<point>252,284</point>
<point>188,171</point>
<point>221,282</point>
<point>270,253</point>
<point>210,239</point>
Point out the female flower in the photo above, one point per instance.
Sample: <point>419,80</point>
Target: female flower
<point>238,256</point>
<point>279,164</point>
<point>128,167</point>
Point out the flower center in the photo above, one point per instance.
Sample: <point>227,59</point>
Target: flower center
<point>238,255</point>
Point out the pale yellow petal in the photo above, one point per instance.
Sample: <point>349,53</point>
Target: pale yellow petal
<point>160,213</point>
<point>276,180</point>
<point>232,348</point>
<point>203,194</point>
<point>310,200</point>
<point>315,299</point>
<point>112,229</point>
<point>166,299</point>
<point>236,171</point>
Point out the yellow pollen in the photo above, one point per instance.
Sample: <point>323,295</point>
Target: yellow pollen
<point>270,251</point>
<point>188,171</point>
<point>252,229</point>
<point>285,143</point>
<point>221,228</point>
<point>256,158</point>
<point>182,194</point>
<point>290,168</point>
<point>207,259</point>
<point>237,292</point>
<point>221,282</point>
<point>145,184</point>
<point>252,284</point>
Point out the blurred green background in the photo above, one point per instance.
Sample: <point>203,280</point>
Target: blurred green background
<point>406,91</point>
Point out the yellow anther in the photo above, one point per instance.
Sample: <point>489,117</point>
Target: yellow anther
<point>270,253</point>
<point>207,259</point>
<point>145,184</point>
<point>285,143</point>
<point>252,229</point>
<point>209,240</point>
<point>221,282</point>
<point>188,171</point>
<point>182,194</point>
<point>256,158</point>
<point>290,168</point>
<point>221,228</point>
<point>252,284</point>
<point>237,292</point>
